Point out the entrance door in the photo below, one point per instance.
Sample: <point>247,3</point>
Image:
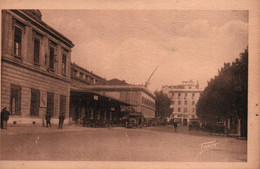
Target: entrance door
<point>185,122</point>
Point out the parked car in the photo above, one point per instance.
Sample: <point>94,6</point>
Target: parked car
<point>133,120</point>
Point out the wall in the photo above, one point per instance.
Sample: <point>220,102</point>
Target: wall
<point>25,73</point>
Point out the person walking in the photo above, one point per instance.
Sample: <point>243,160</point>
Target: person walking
<point>48,119</point>
<point>4,118</point>
<point>2,114</point>
<point>175,126</point>
<point>61,120</point>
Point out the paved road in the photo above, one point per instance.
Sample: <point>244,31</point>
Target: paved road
<point>116,144</point>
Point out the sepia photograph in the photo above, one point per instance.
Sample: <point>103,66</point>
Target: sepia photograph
<point>122,86</point>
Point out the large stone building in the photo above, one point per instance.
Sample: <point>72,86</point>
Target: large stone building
<point>184,98</point>
<point>35,74</point>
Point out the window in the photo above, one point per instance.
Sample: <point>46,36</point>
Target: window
<point>64,63</point>
<point>193,110</point>
<point>179,102</point>
<point>179,94</point>
<point>185,102</point>
<point>172,94</point>
<point>81,75</point>
<point>36,51</point>
<point>62,104</point>
<point>17,41</point>
<point>35,102</point>
<point>179,109</point>
<point>51,57</point>
<point>50,103</point>
<point>186,94</point>
<point>193,102</point>
<point>185,110</point>
<point>15,102</point>
<point>193,94</point>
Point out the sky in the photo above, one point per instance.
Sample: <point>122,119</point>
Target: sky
<point>130,44</point>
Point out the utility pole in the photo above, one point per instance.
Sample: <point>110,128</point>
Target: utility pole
<point>148,81</point>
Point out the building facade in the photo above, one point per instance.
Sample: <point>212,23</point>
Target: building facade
<point>141,99</point>
<point>35,74</point>
<point>81,77</point>
<point>184,98</point>
<point>88,106</point>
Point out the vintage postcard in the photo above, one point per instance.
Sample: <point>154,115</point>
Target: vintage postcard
<point>130,84</point>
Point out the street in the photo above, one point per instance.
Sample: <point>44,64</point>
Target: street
<point>157,144</point>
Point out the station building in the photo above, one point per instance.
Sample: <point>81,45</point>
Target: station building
<point>90,106</point>
<point>37,76</point>
<point>184,98</point>
<point>139,98</point>
<point>35,70</point>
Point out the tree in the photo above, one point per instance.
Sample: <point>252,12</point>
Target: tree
<point>225,97</point>
<point>162,105</point>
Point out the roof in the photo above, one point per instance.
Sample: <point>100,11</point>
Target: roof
<point>85,70</point>
<point>81,90</point>
<point>119,88</point>
<point>45,27</point>
<point>116,81</point>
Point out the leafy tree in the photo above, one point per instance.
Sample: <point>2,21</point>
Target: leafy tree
<point>225,96</point>
<point>162,105</point>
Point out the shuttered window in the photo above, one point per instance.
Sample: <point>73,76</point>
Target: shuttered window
<point>35,102</point>
<point>17,41</point>
<point>50,103</point>
<point>51,62</point>
<point>36,52</point>
<point>62,104</point>
<point>64,61</point>
<point>15,102</point>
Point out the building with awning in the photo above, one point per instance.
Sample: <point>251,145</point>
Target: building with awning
<point>94,108</point>
<point>139,97</point>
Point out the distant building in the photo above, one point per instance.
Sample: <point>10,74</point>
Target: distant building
<point>184,98</point>
<point>141,99</point>
<point>35,75</point>
<point>116,82</point>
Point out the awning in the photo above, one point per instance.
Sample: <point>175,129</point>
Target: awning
<point>80,90</point>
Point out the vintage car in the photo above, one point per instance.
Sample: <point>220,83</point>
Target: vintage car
<point>133,120</point>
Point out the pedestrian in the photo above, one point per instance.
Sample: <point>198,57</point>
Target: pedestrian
<point>2,114</point>
<point>61,120</point>
<point>4,118</point>
<point>48,119</point>
<point>175,126</point>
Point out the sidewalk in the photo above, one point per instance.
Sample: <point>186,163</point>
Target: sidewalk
<point>31,129</point>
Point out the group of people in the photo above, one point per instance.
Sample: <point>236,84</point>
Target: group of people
<point>5,117</point>
<point>48,120</point>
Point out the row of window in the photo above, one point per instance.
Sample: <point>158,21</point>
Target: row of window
<point>180,94</point>
<point>180,115</point>
<point>15,101</point>
<point>147,102</point>
<point>50,58</point>
<point>85,77</point>
<point>185,110</point>
<point>185,102</point>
